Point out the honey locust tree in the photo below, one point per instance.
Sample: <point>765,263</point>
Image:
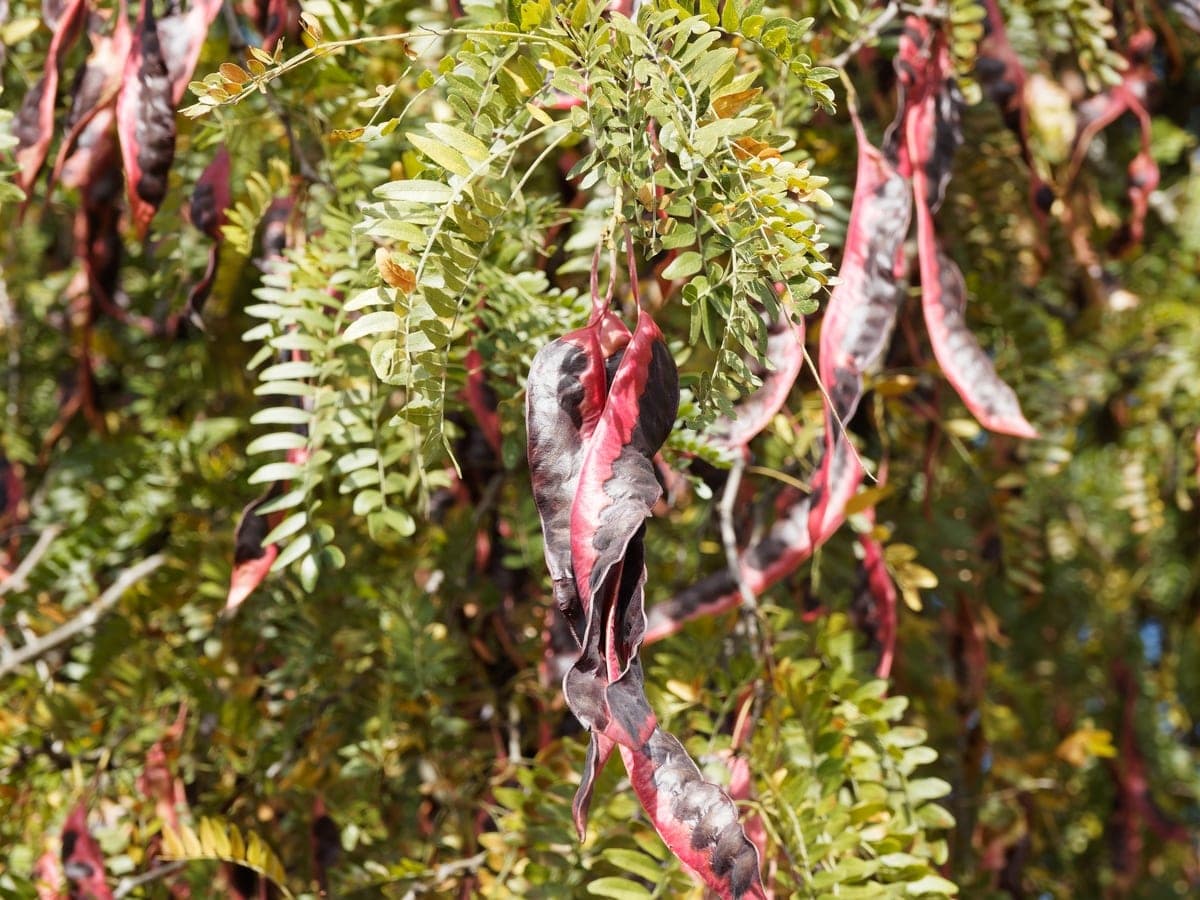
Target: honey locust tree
<point>408,409</point>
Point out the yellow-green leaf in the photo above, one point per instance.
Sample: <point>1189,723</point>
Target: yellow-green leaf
<point>446,157</point>
<point>466,144</point>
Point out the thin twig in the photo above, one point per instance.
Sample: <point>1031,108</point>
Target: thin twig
<point>130,882</point>
<point>729,535</point>
<point>756,626</point>
<point>85,620</point>
<point>868,34</point>
<point>304,168</point>
<point>27,635</point>
<point>11,322</point>
<point>837,416</point>
<point>444,871</point>
<point>17,580</point>
<point>782,477</point>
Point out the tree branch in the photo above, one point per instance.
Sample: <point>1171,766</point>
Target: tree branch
<point>16,581</point>
<point>85,620</point>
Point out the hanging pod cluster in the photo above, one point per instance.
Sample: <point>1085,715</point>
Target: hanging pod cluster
<point>125,95</point>
<point>600,403</point>
<point>912,169</point>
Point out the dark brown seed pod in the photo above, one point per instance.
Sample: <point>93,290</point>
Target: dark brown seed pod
<point>146,121</point>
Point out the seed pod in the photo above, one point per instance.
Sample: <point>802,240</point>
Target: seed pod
<point>920,146</point>
<point>14,507</point>
<point>600,403</point>
<point>854,336</point>
<point>210,200</point>
<point>212,196</point>
<point>34,126</point>
<point>97,223</point>
<point>48,876</point>
<point>481,400</point>
<point>874,606</point>
<point>93,105</point>
<point>252,559</point>
<point>785,351</point>
<point>83,862</point>
<point>1143,181</point>
<point>564,399</point>
<point>3,19</point>
<point>146,121</point>
<point>52,11</point>
<point>858,323</point>
<point>182,37</point>
<point>1188,12</point>
<point>279,18</point>
<point>931,132</point>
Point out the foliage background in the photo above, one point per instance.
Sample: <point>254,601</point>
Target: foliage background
<point>375,713</point>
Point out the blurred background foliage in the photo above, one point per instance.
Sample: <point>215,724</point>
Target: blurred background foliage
<point>378,717</point>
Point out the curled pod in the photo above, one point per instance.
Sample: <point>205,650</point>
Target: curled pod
<point>146,121</point>
<point>34,125</point>
<point>600,403</point>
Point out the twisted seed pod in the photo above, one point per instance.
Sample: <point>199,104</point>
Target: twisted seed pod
<point>146,121</point>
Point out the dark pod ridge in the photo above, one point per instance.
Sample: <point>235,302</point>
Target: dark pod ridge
<point>210,200</point>
<point>146,121</point>
<point>600,402</point>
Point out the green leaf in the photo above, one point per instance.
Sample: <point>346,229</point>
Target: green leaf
<point>285,389</point>
<point>279,440</point>
<point>380,322</point>
<point>292,552</point>
<point>634,862</point>
<point>731,16</point>
<point>367,501</point>
<point>281,415</point>
<point>466,144</point>
<point>930,884</point>
<point>294,369</point>
<point>276,471</point>
<point>289,500</point>
<point>752,26</point>
<point>618,888</point>
<point>392,519</point>
<point>416,191</point>
<point>10,193</point>
<point>682,235</point>
<point>385,355</point>
<point>705,139</point>
<point>931,815</point>
<point>684,265</point>
<point>372,297</point>
<point>921,789</point>
<point>286,528</point>
<point>358,458</point>
<point>445,156</point>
